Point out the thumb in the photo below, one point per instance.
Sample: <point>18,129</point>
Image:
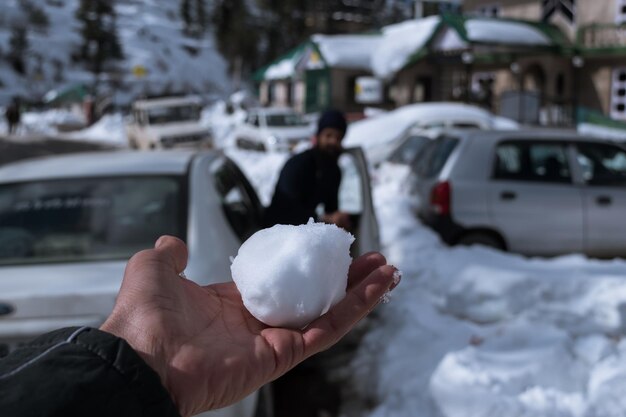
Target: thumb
<point>173,251</point>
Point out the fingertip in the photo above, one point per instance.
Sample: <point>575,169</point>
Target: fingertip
<point>175,248</point>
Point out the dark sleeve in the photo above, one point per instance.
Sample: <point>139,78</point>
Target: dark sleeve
<point>80,372</point>
<point>331,200</point>
<point>289,201</point>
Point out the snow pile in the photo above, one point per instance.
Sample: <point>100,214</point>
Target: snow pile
<point>261,168</point>
<point>48,122</point>
<point>303,275</point>
<point>400,42</point>
<point>109,129</point>
<point>474,331</point>
<point>601,131</point>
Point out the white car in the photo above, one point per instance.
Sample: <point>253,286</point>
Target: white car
<point>382,134</point>
<point>68,225</point>
<point>166,123</point>
<point>273,129</point>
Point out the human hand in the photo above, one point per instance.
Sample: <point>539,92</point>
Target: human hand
<point>340,219</point>
<point>208,350</point>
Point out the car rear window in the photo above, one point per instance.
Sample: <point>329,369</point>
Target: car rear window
<point>432,159</point>
<point>90,219</point>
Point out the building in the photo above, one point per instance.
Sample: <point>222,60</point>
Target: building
<point>318,74</point>
<point>592,75</point>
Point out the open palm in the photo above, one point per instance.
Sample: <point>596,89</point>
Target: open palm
<point>207,348</point>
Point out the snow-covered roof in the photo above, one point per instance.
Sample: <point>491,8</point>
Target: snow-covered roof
<point>400,42</point>
<point>348,51</point>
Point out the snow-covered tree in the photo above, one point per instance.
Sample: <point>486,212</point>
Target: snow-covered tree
<point>100,41</point>
<point>18,48</point>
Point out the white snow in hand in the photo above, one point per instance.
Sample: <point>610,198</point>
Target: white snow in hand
<point>290,275</point>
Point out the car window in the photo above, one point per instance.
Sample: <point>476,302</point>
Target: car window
<point>434,156</point>
<point>602,164</point>
<point>350,189</point>
<point>174,114</point>
<point>528,161</point>
<point>465,125</point>
<point>89,219</point>
<point>285,120</point>
<point>239,201</point>
<point>409,150</point>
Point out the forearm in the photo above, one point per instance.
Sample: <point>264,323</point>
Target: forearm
<point>79,372</point>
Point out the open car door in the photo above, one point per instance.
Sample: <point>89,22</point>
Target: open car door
<point>355,198</point>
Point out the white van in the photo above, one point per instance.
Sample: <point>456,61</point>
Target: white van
<point>166,123</point>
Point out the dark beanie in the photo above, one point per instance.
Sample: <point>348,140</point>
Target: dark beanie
<point>334,119</point>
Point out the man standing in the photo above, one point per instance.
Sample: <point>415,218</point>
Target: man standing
<point>312,178</point>
<point>12,114</point>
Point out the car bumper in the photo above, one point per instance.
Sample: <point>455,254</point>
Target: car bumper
<point>445,226</point>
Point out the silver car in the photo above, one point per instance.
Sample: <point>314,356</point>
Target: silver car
<point>533,192</point>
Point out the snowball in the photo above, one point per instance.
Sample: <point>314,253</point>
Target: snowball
<point>290,275</point>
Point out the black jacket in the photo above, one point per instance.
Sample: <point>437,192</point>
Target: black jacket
<point>80,372</point>
<point>307,180</point>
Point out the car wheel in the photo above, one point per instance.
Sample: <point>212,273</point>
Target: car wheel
<point>482,238</point>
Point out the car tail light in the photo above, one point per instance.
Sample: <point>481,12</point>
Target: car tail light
<point>440,198</point>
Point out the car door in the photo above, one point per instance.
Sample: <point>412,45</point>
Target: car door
<point>603,168</point>
<point>533,200</point>
<point>355,198</point>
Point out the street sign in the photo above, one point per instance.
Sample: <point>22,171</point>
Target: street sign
<point>368,90</point>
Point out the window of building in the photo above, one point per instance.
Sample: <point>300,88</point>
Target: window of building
<point>492,10</point>
<point>618,93</point>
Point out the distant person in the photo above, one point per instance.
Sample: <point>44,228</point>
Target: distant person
<point>13,116</point>
<point>171,347</point>
<point>312,178</point>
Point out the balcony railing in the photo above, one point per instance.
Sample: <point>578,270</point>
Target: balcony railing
<point>602,36</point>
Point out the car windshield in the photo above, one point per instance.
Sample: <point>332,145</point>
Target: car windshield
<point>89,219</point>
<point>409,150</point>
<point>163,115</point>
<point>285,120</point>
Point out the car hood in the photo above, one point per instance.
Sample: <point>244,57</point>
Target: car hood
<point>45,297</point>
<point>177,129</point>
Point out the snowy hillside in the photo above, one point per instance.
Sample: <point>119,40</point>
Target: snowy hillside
<point>157,56</point>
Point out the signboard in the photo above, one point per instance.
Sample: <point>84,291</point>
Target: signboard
<point>139,71</point>
<point>368,90</point>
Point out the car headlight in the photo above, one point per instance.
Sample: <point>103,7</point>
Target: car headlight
<point>273,140</point>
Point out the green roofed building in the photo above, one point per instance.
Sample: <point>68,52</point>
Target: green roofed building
<point>533,61</point>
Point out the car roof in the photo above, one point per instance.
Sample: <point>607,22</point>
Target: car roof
<point>522,134</point>
<point>101,164</point>
<point>272,110</point>
<point>166,102</point>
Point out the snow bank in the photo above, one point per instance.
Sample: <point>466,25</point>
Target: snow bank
<point>473,331</point>
<point>601,131</point>
<point>108,130</point>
